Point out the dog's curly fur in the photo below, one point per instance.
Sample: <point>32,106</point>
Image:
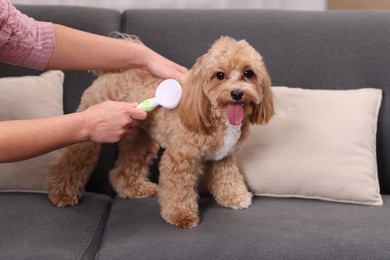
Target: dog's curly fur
<point>198,136</point>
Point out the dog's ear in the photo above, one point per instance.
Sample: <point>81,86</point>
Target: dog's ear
<point>194,105</point>
<point>265,110</point>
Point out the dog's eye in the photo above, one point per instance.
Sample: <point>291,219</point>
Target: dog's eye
<point>248,73</point>
<point>220,75</point>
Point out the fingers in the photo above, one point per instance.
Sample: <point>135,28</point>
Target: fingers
<point>110,120</point>
<point>163,67</point>
<point>137,114</point>
<point>176,70</point>
<point>181,69</point>
<point>179,73</point>
<point>171,71</point>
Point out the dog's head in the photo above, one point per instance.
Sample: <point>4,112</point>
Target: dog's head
<point>230,77</point>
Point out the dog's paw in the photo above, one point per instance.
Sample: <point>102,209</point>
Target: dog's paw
<point>62,201</point>
<point>138,190</point>
<point>182,219</point>
<point>236,202</point>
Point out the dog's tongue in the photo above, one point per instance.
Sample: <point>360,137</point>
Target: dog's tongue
<point>235,113</point>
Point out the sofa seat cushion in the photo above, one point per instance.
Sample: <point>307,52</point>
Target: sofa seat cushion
<point>32,228</point>
<point>272,228</point>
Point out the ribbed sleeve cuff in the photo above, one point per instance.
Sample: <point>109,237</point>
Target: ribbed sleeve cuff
<point>41,52</point>
<point>24,41</point>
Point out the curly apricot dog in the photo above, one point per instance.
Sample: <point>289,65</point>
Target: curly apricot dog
<point>227,89</point>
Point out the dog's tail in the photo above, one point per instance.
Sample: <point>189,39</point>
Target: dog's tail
<point>125,36</point>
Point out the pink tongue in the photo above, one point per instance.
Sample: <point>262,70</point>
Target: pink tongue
<point>235,113</point>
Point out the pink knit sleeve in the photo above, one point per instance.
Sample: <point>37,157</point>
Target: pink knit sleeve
<point>24,41</point>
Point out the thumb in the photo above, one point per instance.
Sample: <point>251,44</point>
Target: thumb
<point>138,114</point>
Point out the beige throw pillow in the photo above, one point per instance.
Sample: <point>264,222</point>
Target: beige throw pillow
<point>320,145</point>
<point>30,97</point>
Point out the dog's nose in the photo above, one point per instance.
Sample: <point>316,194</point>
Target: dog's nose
<point>236,94</point>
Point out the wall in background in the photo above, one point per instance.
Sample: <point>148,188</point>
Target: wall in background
<point>359,4</point>
<point>318,5</point>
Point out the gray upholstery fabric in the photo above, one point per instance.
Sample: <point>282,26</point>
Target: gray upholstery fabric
<point>329,50</point>
<point>269,229</point>
<point>31,228</point>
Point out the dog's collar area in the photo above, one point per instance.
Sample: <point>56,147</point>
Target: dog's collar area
<point>232,134</point>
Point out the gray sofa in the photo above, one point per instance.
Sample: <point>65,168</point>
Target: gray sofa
<point>339,50</point>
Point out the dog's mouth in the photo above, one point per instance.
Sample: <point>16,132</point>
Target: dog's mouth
<point>235,113</point>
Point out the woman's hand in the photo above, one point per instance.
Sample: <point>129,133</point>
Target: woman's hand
<point>159,65</point>
<point>109,121</point>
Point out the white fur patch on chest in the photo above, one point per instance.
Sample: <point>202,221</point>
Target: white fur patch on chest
<point>232,134</point>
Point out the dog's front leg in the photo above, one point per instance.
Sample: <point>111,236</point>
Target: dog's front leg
<point>178,194</point>
<point>227,184</point>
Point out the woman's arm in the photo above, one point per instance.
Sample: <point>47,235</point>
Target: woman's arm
<point>105,122</point>
<point>79,50</point>
<point>40,45</point>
